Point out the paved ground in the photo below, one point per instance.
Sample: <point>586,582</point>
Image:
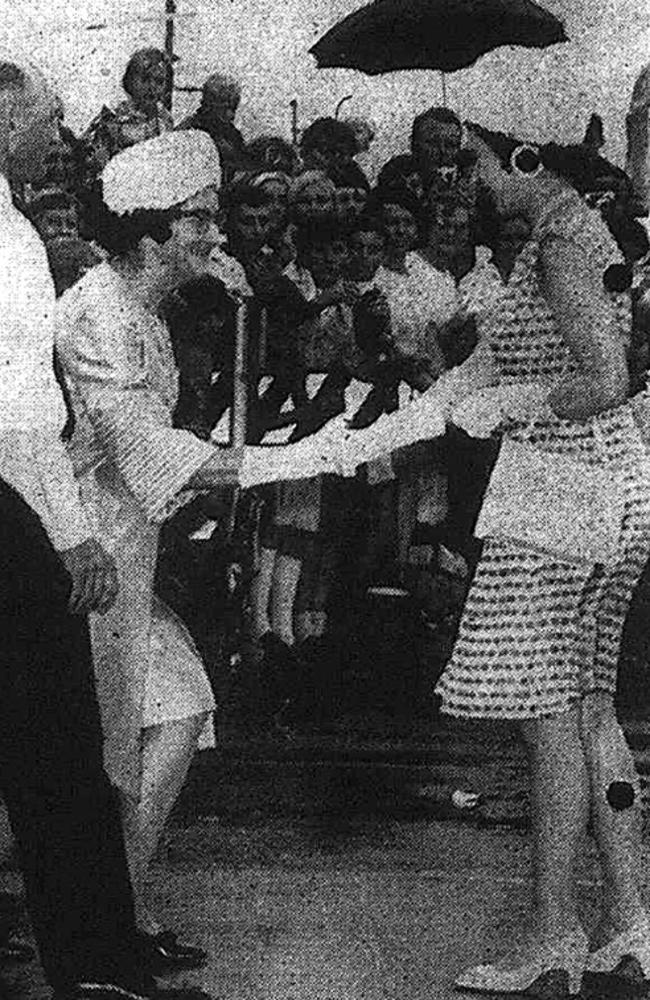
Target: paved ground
<point>345,893</point>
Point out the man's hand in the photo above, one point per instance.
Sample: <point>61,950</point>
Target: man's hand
<point>94,578</point>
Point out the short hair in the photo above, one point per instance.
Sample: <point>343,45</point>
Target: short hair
<point>444,116</point>
<point>326,132</point>
<point>243,192</point>
<point>141,60</point>
<point>320,230</point>
<point>221,83</point>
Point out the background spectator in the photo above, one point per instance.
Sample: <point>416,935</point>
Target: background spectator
<point>450,190</point>
<point>216,115</point>
<point>141,116</point>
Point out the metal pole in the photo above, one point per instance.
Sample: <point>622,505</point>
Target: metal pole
<point>294,122</point>
<point>443,78</point>
<point>240,385</point>
<point>170,11</point>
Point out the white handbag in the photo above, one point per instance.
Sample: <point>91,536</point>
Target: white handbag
<point>554,504</point>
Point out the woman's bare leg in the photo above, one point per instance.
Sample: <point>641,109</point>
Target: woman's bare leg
<point>616,815</point>
<point>559,814</point>
<point>168,750</point>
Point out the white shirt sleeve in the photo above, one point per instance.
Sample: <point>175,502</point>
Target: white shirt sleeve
<point>36,464</point>
<point>33,459</point>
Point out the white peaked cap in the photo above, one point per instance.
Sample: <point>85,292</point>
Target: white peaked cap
<point>159,173</point>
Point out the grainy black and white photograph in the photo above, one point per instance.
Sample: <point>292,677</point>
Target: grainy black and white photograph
<point>324,499</point>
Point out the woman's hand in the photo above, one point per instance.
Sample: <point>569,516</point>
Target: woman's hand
<point>480,414</point>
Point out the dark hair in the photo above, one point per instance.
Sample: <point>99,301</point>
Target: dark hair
<point>575,164</point>
<point>445,116</point>
<point>242,192</point>
<point>578,165</point>
<point>349,175</point>
<point>119,234</point>
<point>395,171</point>
<point>318,230</point>
<point>143,58</point>
<point>326,132</point>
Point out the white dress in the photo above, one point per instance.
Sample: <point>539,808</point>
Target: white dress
<point>132,468</point>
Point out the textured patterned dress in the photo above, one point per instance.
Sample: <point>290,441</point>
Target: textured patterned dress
<point>539,633</point>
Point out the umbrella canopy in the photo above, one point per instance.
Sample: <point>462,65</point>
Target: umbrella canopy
<point>446,35</point>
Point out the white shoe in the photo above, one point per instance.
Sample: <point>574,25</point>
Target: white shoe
<point>568,954</point>
<point>633,943</point>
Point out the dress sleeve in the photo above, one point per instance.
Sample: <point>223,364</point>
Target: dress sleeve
<point>105,362</point>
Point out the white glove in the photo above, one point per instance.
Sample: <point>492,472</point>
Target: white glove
<point>480,414</point>
<point>525,403</point>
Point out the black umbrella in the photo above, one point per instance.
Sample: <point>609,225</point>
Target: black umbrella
<point>446,35</point>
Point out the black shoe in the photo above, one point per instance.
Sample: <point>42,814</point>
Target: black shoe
<point>164,954</point>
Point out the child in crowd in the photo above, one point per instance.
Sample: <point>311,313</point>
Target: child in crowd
<point>352,190</point>
<point>55,215</point>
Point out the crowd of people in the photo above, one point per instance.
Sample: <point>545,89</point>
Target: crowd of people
<point>484,289</point>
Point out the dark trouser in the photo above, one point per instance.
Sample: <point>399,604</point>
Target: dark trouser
<point>61,806</point>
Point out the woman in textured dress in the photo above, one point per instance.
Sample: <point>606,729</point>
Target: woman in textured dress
<point>540,634</point>
<point>541,630</point>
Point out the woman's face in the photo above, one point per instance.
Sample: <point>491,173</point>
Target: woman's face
<point>367,253</point>
<point>503,187</point>
<point>401,228</point>
<point>277,193</point>
<point>195,230</point>
<point>327,262</point>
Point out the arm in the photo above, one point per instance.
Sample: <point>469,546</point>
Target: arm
<point>585,317</point>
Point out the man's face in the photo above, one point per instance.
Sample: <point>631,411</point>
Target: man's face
<point>367,253</point>
<point>350,202</point>
<point>439,144</point>
<point>401,228</point>
<point>253,227</point>
<point>35,129</point>
<point>148,85</point>
<point>327,262</point>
